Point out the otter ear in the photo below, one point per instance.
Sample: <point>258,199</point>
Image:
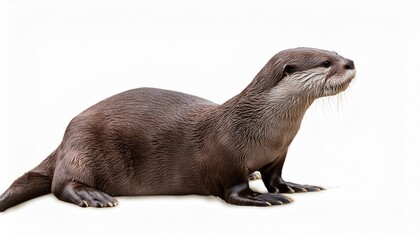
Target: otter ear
<point>288,69</point>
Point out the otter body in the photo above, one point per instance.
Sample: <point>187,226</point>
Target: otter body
<point>138,142</point>
<point>150,141</point>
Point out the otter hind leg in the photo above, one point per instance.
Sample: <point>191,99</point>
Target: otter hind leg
<point>84,196</point>
<point>242,195</point>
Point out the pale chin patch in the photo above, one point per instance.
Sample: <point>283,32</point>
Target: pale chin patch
<point>337,84</point>
<point>305,84</point>
<point>311,84</point>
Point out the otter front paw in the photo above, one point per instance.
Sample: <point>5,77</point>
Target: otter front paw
<point>259,199</point>
<point>243,195</point>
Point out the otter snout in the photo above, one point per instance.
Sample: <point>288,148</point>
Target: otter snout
<point>349,65</point>
<point>340,80</point>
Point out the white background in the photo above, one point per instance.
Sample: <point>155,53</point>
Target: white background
<point>59,57</point>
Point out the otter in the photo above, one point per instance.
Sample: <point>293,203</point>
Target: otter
<point>149,141</point>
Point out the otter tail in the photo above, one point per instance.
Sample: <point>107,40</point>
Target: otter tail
<point>32,184</point>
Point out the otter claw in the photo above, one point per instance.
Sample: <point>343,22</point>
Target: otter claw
<point>288,187</point>
<point>291,190</point>
<point>84,204</point>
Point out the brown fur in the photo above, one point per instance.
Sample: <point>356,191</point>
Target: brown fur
<point>150,141</point>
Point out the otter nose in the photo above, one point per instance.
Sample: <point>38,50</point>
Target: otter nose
<point>349,65</point>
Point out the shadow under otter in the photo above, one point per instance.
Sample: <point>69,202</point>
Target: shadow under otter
<point>150,141</point>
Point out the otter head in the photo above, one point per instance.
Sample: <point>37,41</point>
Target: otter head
<point>307,73</point>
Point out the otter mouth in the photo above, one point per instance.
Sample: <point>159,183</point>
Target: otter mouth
<point>336,85</point>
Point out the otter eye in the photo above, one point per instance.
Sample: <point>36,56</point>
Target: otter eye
<point>326,64</point>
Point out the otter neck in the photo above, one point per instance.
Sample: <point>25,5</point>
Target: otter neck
<point>271,117</point>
